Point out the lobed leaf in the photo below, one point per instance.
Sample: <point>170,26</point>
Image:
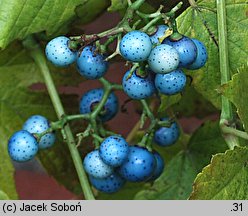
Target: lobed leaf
<point>235,91</point>
<point>201,23</point>
<point>226,178</point>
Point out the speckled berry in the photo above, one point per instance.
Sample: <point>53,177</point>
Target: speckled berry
<point>95,167</point>
<point>159,168</point>
<point>160,31</point>
<point>22,146</point>
<point>137,87</point>
<point>135,46</point>
<point>186,49</point>
<point>201,57</point>
<point>58,52</point>
<point>114,150</point>
<point>170,83</point>
<point>91,98</point>
<point>166,136</point>
<point>39,124</point>
<point>91,65</point>
<point>111,184</point>
<point>163,59</point>
<point>139,165</point>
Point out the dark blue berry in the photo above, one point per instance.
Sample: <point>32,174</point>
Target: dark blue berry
<point>58,52</point>
<point>111,184</point>
<point>139,165</point>
<point>186,49</point>
<point>22,146</point>
<point>90,64</point>
<point>135,46</point>
<point>170,83</point>
<point>39,124</point>
<point>159,166</point>
<point>114,150</point>
<point>160,31</point>
<point>95,167</point>
<point>91,98</point>
<point>163,59</point>
<point>138,87</point>
<point>201,57</point>
<point>166,136</point>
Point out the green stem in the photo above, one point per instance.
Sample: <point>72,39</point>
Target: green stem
<point>76,117</point>
<point>38,56</point>
<point>192,3</point>
<point>137,4</point>
<point>151,23</point>
<point>226,111</point>
<point>174,10</point>
<point>147,110</point>
<point>107,90</point>
<point>152,15</point>
<point>97,137</point>
<point>235,132</point>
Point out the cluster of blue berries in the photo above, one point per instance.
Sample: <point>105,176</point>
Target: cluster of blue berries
<point>115,162</point>
<point>160,70</point>
<point>90,64</point>
<point>164,62</point>
<point>23,145</point>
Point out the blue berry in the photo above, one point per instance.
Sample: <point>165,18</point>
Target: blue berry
<point>93,97</point>
<point>58,52</point>
<point>95,167</point>
<point>111,184</point>
<point>170,83</point>
<point>201,57</point>
<point>114,150</point>
<point>135,46</point>
<point>186,49</point>
<point>163,59</point>
<point>139,165</point>
<point>166,136</point>
<point>160,31</point>
<point>137,87</point>
<point>159,166</point>
<point>90,64</point>
<point>22,146</point>
<point>39,124</point>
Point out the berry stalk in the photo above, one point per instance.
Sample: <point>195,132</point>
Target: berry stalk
<point>40,60</point>
<point>226,111</point>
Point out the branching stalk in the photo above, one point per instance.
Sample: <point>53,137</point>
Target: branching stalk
<point>226,111</point>
<point>40,60</point>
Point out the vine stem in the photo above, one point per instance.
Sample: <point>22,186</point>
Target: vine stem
<point>226,111</point>
<point>40,60</point>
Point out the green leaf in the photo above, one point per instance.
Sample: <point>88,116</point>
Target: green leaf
<point>17,102</point>
<point>193,104</point>
<point>201,23</point>
<point>24,17</point>
<point>6,170</point>
<point>89,10</point>
<point>117,5</point>
<point>226,178</point>
<point>235,91</point>
<point>3,196</point>
<point>179,174</point>
<point>190,103</point>
<point>166,102</point>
